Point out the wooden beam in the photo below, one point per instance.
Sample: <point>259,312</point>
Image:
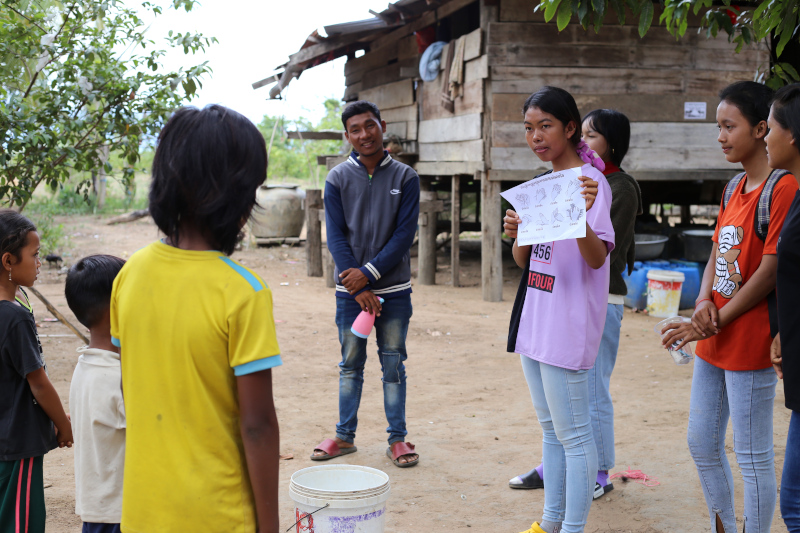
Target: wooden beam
<point>424,21</point>
<point>329,135</point>
<point>640,175</point>
<point>452,151</point>
<point>313,233</point>
<point>429,208</point>
<point>491,237</point>
<point>330,266</point>
<point>325,47</point>
<point>638,107</point>
<point>459,128</point>
<point>275,78</point>
<point>643,135</point>
<point>448,168</point>
<point>455,230</point>
<point>56,313</point>
<point>617,81</point>
<point>398,94</point>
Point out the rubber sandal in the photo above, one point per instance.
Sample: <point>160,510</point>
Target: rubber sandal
<point>601,490</point>
<point>528,481</point>
<point>535,528</point>
<point>331,450</point>
<point>401,449</point>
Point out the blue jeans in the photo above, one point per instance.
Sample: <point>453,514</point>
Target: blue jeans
<point>790,482</point>
<point>746,398</point>
<point>561,399</point>
<point>391,330</point>
<point>601,408</point>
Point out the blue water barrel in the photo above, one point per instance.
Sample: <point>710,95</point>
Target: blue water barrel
<point>637,281</point>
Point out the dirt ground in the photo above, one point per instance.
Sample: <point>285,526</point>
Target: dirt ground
<point>469,410</point>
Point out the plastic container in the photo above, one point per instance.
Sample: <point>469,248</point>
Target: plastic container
<point>279,212</point>
<point>336,498</point>
<point>637,282</point>
<point>693,276</point>
<point>685,354</point>
<point>664,292</point>
<point>362,326</point>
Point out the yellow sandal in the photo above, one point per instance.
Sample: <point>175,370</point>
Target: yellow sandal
<point>535,528</point>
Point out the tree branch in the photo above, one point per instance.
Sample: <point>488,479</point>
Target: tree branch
<point>9,6</point>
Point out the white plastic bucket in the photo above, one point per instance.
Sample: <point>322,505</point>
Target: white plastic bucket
<point>663,292</point>
<point>355,497</point>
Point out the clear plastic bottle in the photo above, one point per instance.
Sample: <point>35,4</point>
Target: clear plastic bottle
<point>685,354</point>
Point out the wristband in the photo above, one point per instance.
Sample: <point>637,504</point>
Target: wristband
<point>701,301</point>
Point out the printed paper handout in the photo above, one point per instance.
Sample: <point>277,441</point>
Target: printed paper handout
<point>551,207</point>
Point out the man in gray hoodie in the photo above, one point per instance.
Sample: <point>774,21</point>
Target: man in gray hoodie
<point>371,212</point>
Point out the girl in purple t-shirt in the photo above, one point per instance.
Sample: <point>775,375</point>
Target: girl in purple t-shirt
<point>557,324</point>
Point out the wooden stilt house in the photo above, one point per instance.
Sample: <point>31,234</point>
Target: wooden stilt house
<point>667,87</point>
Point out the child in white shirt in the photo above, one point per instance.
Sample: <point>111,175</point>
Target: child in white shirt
<point>95,398</point>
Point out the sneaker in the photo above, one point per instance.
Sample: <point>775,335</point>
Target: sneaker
<point>531,480</point>
<point>600,490</point>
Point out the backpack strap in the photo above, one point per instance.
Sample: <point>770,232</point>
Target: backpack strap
<point>761,220</point>
<point>730,187</point>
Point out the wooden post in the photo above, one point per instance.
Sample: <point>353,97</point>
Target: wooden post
<point>491,237</point>
<point>491,217</point>
<point>330,268</point>
<point>455,231</point>
<point>313,233</point>
<point>429,208</point>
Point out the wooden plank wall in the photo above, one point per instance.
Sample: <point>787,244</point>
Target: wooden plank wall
<point>648,79</point>
<point>452,142</point>
<point>385,76</point>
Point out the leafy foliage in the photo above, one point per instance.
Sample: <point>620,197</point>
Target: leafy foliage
<point>292,160</point>
<point>775,21</point>
<point>76,77</point>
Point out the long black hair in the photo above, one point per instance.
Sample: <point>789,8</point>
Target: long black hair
<point>786,110</point>
<point>560,104</point>
<point>14,229</point>
<point>750,98</point>
<point>615,127</point>
<point>206,170</point>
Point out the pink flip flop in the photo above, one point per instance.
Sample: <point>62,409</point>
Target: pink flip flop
<point>331,450</point>
<point>401,449</point>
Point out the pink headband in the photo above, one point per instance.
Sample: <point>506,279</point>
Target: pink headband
<point>590,157</point>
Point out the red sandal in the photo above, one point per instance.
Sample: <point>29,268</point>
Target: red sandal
<point>331,450</point>
<point>401,449</point>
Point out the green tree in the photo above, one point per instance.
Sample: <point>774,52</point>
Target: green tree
<point>79,77</point>
<point>296,159</point>
<point>773,21</point>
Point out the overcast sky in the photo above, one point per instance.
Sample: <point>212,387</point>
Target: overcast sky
<point>254,38</point>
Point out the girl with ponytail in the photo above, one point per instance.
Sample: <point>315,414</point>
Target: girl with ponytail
<point>559,313</point>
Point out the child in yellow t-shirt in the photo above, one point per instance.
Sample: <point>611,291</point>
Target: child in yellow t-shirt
<point>197,341</point>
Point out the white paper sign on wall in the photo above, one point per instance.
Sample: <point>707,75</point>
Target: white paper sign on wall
<point>694,111</point>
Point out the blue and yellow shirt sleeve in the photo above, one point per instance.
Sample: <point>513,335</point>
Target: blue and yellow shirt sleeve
<point>252,341</point>
<point>114,312</point>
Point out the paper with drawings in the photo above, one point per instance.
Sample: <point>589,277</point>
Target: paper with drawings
<point>551,207</point>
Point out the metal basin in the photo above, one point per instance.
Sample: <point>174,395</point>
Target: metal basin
<point>649,246</point>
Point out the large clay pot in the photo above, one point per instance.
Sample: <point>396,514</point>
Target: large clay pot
<point>278,212</point>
